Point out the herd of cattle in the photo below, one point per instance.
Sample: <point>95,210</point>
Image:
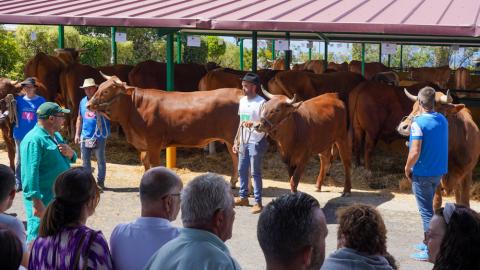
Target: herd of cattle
<point>310,109</point>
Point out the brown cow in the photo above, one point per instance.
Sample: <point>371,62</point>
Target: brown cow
<point>437,75</point>
<point>463,147</point>
<point>121,71</point>
<point>278,64</point>
<point>316,66</point>
<point>47,68</point>
<point>306,128</point>
<point>307,85</point>
<point>152,74</point>
<point>338,67</point>
<point>8,87</point>
<point>371,68</point>
<point>462,79</point>
<point>388,77</point>
<point>154,119</point>
<point>375,109</point>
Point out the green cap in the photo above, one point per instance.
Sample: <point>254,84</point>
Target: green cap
<point>50,108</point>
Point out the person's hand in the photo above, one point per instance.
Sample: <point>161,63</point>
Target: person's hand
<point>38,208</point>
<point>408,174</point>
<point>77,139</point>
<point>235,149</point>
<point>248,124</point>
<point>66,150</point>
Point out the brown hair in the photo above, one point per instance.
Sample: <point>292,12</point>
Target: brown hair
<point>363,229</point>
<point>73,189</point>
<point>11,250</point>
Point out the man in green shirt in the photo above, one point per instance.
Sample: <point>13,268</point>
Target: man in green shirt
<point>44,156</point>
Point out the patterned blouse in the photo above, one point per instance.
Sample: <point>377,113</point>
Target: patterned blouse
<point>59,251</point>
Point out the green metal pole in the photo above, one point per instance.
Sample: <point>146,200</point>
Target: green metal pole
<point>179,48</point>
<point>113,58</point>
<point>171,152</point>
<point>325,55</point>
<point>380,52</point>
<point>288,54</point>
<point>61,37</point>
<point>401,57</point>
<point>241,54</point>
<point>254,51</point>
<point>363,59</point>
<point>309,53</point>
<point>273,49</point>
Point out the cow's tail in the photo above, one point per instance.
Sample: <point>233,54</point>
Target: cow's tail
<point>351,109</point>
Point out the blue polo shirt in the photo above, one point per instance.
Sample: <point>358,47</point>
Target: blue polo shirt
<point>432,130</point>
<point>27,115</point>
<point>89,123</point>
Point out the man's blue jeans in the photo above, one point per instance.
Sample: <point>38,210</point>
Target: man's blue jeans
<point>250,157</point>
<point>423,188</point>
<point>100,154</point>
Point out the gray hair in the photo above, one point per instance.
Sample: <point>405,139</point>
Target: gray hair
<point>202,197</point>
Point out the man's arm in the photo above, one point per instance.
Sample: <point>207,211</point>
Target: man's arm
<point>78,128</point>
<point>413,155</point>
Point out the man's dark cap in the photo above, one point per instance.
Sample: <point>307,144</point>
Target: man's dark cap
<point>251,77</point>
<point>28,81</point>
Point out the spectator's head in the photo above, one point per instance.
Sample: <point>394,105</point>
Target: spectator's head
<point>51,116</point>
<point>361,228</point>
<point>7,187</point>
<point>29,85</point>
<point>250,84</point>
<point>160,193</point>
<point>291,231</point>
<point>76,197</point>
<point>11,251</point>
<point>90,87</point>
<point>454,238</point>
<point>207,204</point>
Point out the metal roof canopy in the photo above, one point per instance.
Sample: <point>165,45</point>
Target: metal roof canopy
<point>436,22</point>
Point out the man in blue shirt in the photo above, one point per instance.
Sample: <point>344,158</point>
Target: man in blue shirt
<point>27,106</point>
<point>427,159</point>
<point>92,131</point>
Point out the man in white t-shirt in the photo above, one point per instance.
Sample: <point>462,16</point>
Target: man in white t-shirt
<point>249,143</point>
<point>133,244</point>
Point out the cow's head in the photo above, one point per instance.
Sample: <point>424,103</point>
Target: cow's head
<point>106,99</point>
<point>8,89</point>
<point>443,104</point>
<point>275,111</point>
<point>68,55</point>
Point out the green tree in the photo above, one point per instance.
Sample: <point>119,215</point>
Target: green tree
<point>197,55</point>
<point>9,56</point>
<point>216,48</point>
<point>97,53</point>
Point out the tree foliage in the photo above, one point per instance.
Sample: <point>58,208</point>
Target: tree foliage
<point>9,56</point>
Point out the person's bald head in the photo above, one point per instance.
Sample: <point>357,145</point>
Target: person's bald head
<point>156,183</point>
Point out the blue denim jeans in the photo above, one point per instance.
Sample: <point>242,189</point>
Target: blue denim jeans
<point>250,157</point>
<point>100,154</point>
<point>423,188</point>
<point>18,172</point>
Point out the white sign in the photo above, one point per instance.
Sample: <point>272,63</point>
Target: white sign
<point>310,44</point>
<point>33,36</point>
<point>281,45</point>
<point>193,41</point>
<point>120,37</point>
<point>389,48</point>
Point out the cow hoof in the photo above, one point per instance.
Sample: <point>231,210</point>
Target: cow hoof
<point>346,194</point>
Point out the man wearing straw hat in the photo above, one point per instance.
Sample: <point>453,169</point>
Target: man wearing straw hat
<point>91,133</point>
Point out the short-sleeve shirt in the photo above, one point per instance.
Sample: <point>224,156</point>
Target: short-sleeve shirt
<point>60,250</point>
<point>249,110</point>
<point>27,115</point>
<point>89,123</point>
<point>432,130</point>
<point>17,227</point>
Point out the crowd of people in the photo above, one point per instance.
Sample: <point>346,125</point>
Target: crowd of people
<point>291,229</point>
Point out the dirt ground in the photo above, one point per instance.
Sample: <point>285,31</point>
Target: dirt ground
<point>120,203</point>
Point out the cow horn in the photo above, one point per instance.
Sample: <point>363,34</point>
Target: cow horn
<point>291,101</point>
<point>266,93</point>
<point>410,96</point>
<point>105,76</point>
<point>13,82</point>
<point>445,99</point>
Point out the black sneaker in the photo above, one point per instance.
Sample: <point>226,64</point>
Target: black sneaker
<point>101,187</point>
<point>18,188</point>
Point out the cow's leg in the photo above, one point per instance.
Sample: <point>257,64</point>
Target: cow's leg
<point>462,189</point>
<point>144,157</point>
<point>234,157</point>
<point>154,157</point>
<point>437,198</point>
<point>346,156</point>
<point>297,174</point>
<point>325,163</point>
<point>358,139</point>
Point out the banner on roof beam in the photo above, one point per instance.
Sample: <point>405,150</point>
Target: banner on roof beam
<point>193,41</point>
<point>389,48</point>
<point>281,45</point>
<point>120,37</point>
